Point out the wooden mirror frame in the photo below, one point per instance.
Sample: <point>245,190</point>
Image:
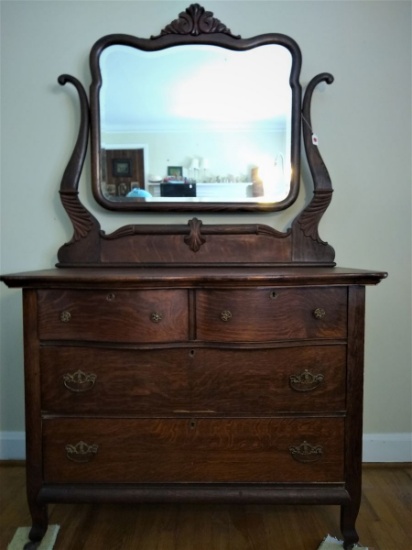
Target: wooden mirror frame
<point>196,27</point>
<point>197,244</point>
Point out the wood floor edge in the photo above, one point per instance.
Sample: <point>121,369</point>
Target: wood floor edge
<point>7,463</point>
<point>399,465</point>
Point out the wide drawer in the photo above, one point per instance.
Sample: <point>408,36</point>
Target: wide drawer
<point>119,316</point>
<point>183,450</point>
<point>268,314</point>
<point>236,382</point>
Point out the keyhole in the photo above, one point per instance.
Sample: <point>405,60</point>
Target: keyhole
<point>191,353</point>
<point>192,424</point>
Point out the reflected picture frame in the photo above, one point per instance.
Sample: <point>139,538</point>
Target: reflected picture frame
<point>175,172</point>
<point>122,168</point>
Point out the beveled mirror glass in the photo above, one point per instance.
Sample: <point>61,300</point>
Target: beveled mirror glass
<point>198,121</point>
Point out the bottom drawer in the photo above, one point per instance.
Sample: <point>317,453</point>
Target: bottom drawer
<point>197,450</point>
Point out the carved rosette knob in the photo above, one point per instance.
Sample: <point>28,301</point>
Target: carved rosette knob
<point>319,313</point>
<point>156,317</point>
<point>225,315</point>
<point>65,316</point>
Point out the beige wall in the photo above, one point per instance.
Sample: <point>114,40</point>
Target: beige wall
<point>363,122</point>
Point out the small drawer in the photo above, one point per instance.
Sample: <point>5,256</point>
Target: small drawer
<point>193,450</point>
<point>270,314</point>
<point>113,316</point>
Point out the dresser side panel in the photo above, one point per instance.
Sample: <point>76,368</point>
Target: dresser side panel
<point>32,385</point>
<point>354,393</point>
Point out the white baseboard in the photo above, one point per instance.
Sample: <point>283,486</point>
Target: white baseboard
<point>12,445</point>
<point>393,447</point>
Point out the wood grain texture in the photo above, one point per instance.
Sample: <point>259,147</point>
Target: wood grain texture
<point>243,274</point>
<point>193,381</point>
<point>198,450</point>
<point>353,432</point>
<point>32,394</point>
<point>271,314</point>
<point>120,316</point>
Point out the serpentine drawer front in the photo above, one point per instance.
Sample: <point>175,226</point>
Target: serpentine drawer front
<point>186,381</point>
<point>197,450</point>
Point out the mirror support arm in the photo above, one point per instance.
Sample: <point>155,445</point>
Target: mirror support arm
<point>85,240</point>
<point>305,234</point>
<point>320,174</point>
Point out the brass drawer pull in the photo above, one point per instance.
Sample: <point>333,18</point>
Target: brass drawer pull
<point>156,317</point>
<point>65,316</point>
<point>306,381</point>
<point>305,452</point>
<point>81,452</point>
<point>225,315</point>
<point>79,381</point>
<point>319,313</point>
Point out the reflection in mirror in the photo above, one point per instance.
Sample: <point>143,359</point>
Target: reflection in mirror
<point>198,123</point>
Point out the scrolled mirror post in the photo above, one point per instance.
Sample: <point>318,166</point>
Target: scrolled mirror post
<point>320,174</point>
<point>305,235</point>
<point>86,227</point>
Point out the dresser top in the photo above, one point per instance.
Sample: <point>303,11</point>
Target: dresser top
<point>135,277</point>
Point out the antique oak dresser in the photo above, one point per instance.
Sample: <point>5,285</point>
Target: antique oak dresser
<point>195,362</point>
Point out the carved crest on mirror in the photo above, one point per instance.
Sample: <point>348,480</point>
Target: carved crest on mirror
<point>201,120</point>
<point>194,21</point>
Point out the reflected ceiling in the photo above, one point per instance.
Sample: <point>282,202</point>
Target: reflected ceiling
<point>201,85</point>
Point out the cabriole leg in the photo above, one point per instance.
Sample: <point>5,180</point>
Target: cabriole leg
<point>39,525</point>
<point>348,515</point>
